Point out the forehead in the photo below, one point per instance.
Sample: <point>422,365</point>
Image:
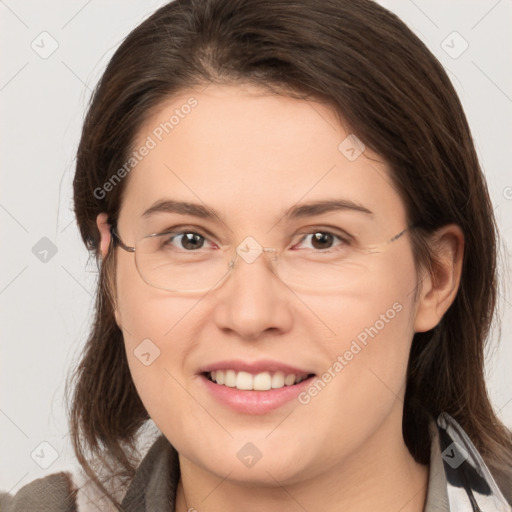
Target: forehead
<point>245,149</point>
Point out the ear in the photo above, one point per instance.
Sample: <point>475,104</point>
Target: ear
<point>104,229</point>
<point>105,236</point>
<point>438,290</point>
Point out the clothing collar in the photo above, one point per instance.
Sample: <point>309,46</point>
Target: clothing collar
<point>459,480</point>
<point>467,480</point>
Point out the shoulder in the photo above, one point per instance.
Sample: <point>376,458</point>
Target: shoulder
<point>53,493</point>
<point>154,482</point>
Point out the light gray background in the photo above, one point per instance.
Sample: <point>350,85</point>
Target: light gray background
<point>46,306</point>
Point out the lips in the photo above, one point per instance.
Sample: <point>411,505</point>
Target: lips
<point>250,401</point>
<point>254,387</point>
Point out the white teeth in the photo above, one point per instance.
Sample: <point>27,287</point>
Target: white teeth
<point>260,382</point>
<point>289,379</point>
<point>243,380</point>
<point>229,378</point>
<point>278,380</point>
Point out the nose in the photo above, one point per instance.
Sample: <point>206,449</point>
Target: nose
<point>253,300</point>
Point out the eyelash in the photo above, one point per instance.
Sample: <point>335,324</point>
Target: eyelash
<point>345,238</point>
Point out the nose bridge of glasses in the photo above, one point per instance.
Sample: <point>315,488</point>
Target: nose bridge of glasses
<point>249,250</point>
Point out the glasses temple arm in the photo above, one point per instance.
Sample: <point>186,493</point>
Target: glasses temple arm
<point>117,240</point>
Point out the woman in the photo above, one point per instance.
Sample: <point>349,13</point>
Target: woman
<point>297,271</point>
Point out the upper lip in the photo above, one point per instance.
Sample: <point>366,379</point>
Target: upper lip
<point>255,367</point>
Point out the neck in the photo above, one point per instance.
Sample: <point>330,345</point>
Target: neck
<point>381,476</point>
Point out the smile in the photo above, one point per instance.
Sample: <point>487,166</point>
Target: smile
<point>262,381</point>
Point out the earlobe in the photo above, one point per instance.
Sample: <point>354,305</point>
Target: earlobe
<point>104,229</point>
<point>438,290</point>
<point>117,316</point>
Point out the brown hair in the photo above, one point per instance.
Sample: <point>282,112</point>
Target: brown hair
<point>393,94</point>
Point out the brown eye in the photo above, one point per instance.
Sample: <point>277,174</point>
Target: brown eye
<point>186,240</point>
<point>321,240</point>
<point>192,241</point>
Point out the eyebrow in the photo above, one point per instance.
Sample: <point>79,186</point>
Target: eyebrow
<point>297,211</point>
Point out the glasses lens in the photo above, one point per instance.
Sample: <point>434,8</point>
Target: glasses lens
<point>163,264</point>
<point>172,264</point>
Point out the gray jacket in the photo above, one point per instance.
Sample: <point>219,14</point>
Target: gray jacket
<point>459,480</point>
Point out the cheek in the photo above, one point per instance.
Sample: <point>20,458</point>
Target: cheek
<point>146,312</point>
<point>367,344</point>
<point>159,332</point>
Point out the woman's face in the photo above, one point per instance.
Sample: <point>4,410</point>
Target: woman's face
<point>252,156</point>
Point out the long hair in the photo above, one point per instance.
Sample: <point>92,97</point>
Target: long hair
<point>393,94</point>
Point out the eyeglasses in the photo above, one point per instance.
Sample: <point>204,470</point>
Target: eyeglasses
<point>187,260</point>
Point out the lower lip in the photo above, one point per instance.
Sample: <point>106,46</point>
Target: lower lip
<point>255,402</point>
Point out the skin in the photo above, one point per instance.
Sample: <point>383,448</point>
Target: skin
<point>248,154</point>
